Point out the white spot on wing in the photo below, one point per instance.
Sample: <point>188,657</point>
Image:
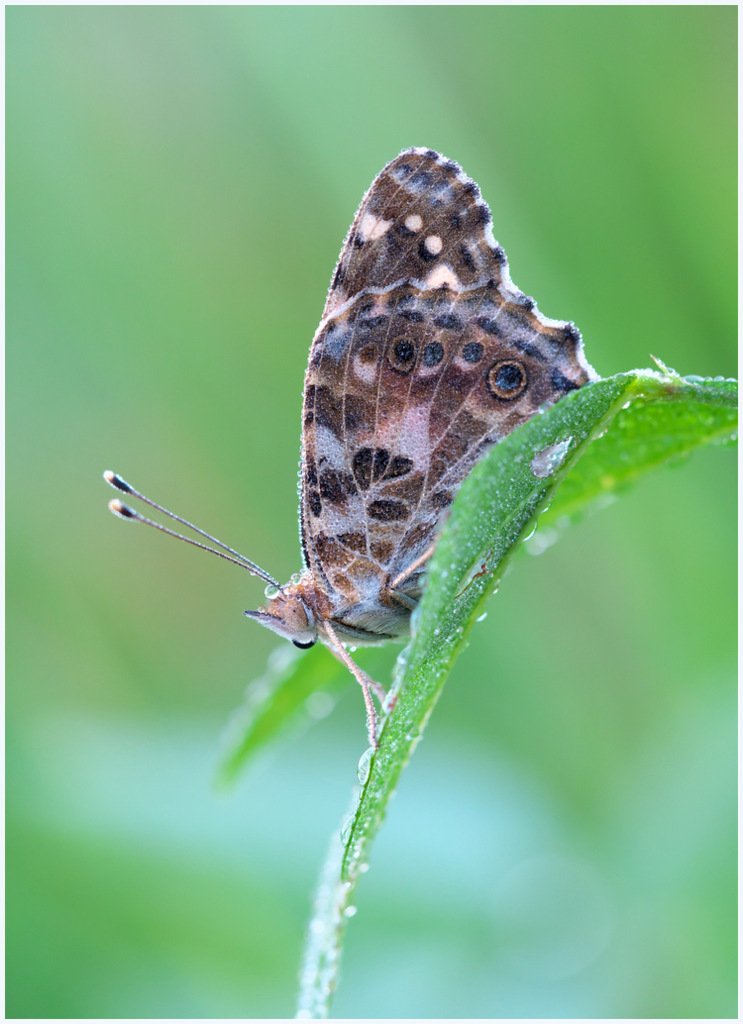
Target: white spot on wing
<point>434,244</point>
<point>414,222</point>
<point>365,371</point>
<point>329,447</point>
<point>442,275</point>
<point>371,227</point>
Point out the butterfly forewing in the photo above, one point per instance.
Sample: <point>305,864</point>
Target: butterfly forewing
<point>421,214</point>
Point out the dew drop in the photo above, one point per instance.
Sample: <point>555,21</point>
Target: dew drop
<point>546,461</point>
<point>542,540</point>
<point>350,911</point>
<point>364,765</point>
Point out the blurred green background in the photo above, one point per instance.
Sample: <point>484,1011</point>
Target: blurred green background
<point>180,180</point>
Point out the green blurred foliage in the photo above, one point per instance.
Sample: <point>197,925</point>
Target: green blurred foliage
<point>179,183</point>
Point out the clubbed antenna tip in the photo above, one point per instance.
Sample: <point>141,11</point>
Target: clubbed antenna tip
<point>116,481</point>
<point>121,510</point>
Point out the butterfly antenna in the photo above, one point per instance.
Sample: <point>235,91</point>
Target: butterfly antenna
<point>125,512</point>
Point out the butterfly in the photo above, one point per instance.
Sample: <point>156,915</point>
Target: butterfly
<point>426,356</point>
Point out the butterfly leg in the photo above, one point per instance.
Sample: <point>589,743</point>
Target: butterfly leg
<point>406,574</point>
<point>366,683</point>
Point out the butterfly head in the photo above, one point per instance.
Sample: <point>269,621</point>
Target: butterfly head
<point>290,611</point>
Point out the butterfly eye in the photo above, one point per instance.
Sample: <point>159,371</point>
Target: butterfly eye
<point>304,647</point>
<point>506,380</point>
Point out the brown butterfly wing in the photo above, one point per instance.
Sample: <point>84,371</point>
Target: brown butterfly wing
<point>426,357</point>
<point>421,213</point>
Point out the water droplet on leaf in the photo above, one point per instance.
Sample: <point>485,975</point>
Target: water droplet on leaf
<point>546,461</point>
<point>364,765</point>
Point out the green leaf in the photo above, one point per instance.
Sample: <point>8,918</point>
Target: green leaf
<point>292,686</point>
<point>648,434</point>
<point>653,417</point>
